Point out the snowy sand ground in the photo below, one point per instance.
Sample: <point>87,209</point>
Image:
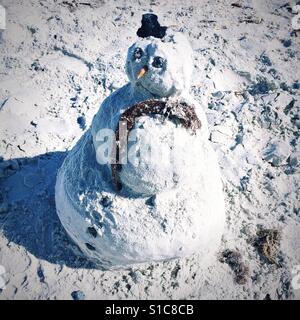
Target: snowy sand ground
<point>60,59</point>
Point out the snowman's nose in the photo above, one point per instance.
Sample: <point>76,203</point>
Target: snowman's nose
<point>142,72</point>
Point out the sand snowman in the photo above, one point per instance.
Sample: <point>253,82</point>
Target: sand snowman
<point>143,183</point>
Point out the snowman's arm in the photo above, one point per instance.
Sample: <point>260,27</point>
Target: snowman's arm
<point>200,113</point>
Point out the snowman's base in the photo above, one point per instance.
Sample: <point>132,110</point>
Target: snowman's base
<point>116,230</point>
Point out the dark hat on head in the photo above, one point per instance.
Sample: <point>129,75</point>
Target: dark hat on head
<point>151,27</point>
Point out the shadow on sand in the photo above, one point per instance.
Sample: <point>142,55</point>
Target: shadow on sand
<point>31,221</point>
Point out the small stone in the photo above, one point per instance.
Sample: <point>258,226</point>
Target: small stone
<point>212,61</point>
<point>36,66</point>
<point>92,231</point>
<point>40,273</point>
<point>286,42</point>
<point>151,201</point>
<point>264,59</point>
<point>78,295</point>
<point>90,247</point>
<point>296,85</point>
<point>106,201</point>
<point>82,122</point>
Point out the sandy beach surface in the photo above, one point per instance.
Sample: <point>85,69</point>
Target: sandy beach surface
<point>60,59</point>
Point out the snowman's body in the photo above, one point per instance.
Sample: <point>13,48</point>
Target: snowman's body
<point>168,207</point>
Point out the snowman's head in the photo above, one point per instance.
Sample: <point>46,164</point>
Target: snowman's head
<point>163,66</point>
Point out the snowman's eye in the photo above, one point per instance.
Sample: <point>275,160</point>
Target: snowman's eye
<point>158,62</point>
<point>138,53</point>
